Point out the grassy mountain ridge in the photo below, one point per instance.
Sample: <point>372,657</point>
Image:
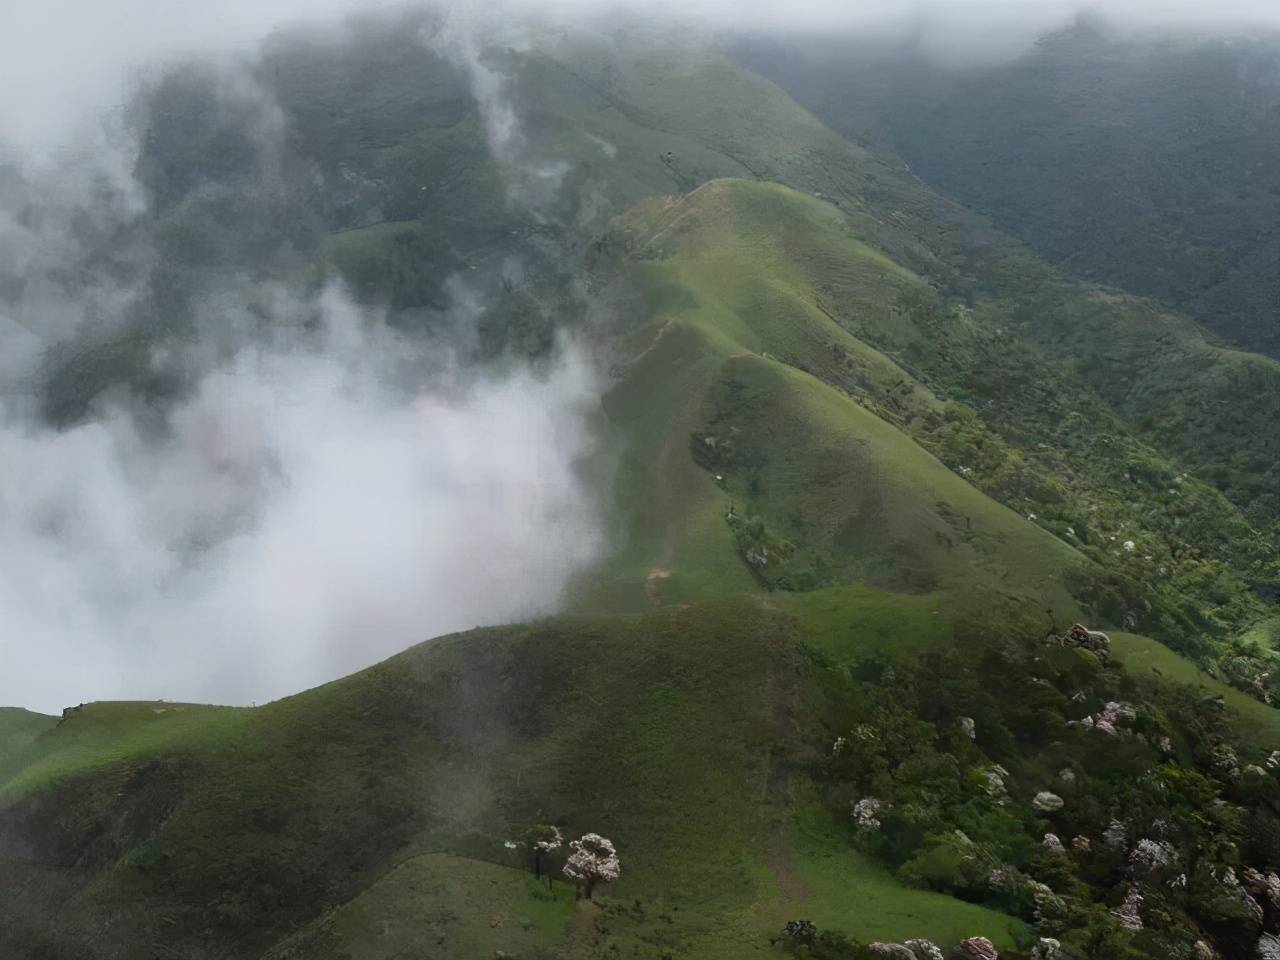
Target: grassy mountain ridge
<point>655,729</point>
<point>788,449</point>
<point>741,270</point>
<point>817,399</point>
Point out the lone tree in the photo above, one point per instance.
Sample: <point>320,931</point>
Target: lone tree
<point>542,839</point>
<point>593,860</point>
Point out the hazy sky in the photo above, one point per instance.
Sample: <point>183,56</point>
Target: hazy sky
<point>58,57</point>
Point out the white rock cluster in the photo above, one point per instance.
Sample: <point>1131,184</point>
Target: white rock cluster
<point>924,949</point>
<point>1108,721</point>
<point>1047,802</point>
<point>1149,855</point>
<point>976,948</point>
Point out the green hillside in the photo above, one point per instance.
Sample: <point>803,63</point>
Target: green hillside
<point>866,459</point>
<point>839,494</point>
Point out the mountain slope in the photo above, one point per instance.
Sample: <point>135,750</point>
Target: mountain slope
<point>1140,161</point>
<point>814,397</point>
<point>847,495</point>
<point>658,731</point>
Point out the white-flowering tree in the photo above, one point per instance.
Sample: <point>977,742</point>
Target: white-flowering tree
<point>542,839</point>
<point>594,860</point>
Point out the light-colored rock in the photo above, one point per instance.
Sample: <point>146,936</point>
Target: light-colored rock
<point>976,948</point>
<point>1267,947</point>
<point>968,727</point>
<point>1264,886</point>
<point>1202,951</point>
<point>1053,845</point>
<point>1150,855</point>
<point>996,789</point>
<point>1047,802</point>
<point>1234,888</point>
<point>1225,762</point>
<point>1080,844</point>
<point>1047,948</point>
<point>890,951</point>
<point>924,950</point>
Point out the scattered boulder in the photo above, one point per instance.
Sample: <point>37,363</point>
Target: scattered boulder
<point>1047,802</point>
<point>1095,641</point>
<point>1047,949</point>
<point>924,950</point>
<point>1053,845</point>
<point>1264,886</point>
<point>1225,762</point>
<point>1234,889</point>
<point>996,788</point>
<point>976,948</point>
<point>1148,856</point>
<point>1273,760</point>
<point>890,951</point>
<point>1202,951</point>
<point>1080,844</point>
<point>1268,947</point>
<point>968,727</point>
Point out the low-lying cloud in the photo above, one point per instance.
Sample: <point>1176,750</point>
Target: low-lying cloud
<point>307,511</point>
<point>318,497</point>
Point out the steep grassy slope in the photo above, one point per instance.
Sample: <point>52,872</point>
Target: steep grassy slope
<point>751,296</point>
<point>20,732</point>
<point>368,816</point>
<point>663,732</point>
<point>790,462</point>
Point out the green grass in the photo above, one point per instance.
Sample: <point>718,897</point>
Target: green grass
<point>846,623</point>
<point>659,731</point>
<point>20,735</point>
<point>103,735</point>
<point>453,906</point>
<point>1255,721</point>
<point>737,347</point>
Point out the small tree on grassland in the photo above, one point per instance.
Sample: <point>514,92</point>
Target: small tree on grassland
<point>594,860</point>
<point>542,839</point>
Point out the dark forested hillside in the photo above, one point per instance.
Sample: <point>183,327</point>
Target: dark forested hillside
<point>1145,162</point>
